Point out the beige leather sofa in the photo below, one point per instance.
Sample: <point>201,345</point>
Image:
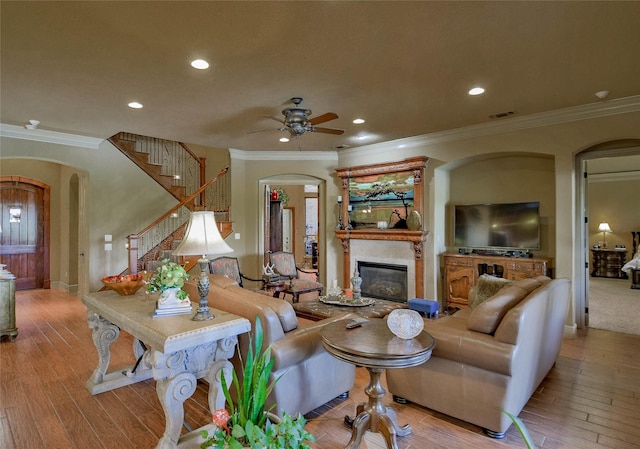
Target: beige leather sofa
<point>311,377</point>
<point>491,357</point>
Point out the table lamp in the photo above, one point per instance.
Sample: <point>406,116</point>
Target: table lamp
<point>604,228</point>
<point>202,237</point>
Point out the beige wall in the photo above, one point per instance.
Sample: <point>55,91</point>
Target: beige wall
<point>508,179</point>
<point>250,172</point>
<point>617,203</point>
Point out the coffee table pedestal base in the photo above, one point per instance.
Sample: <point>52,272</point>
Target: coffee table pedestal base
<point>375,416</point>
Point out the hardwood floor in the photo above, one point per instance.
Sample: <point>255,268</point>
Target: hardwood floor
<point>589,400</point>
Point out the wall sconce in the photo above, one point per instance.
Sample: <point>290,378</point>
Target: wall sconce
<point>604,228</point>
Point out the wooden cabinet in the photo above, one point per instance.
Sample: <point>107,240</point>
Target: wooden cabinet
<point>461,272</point>
<point>275,226</point>
<point>609,262</point>
<point>8,305</point>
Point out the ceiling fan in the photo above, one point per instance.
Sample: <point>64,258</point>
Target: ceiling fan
<point>296,120</point>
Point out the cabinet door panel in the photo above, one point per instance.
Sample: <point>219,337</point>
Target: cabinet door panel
<point>459,281</point>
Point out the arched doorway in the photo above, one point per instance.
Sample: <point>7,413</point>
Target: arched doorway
<point>25,227</point>
<point>298,219</point>
<point>614,149</point>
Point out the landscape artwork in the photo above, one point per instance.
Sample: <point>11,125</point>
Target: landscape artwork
<point>382,201</point>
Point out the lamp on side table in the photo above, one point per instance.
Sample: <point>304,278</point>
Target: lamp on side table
<point>201,238</point>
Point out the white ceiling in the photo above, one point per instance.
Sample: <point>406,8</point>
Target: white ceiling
<point>405,67</point>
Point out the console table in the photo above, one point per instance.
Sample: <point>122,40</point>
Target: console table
<point>461,272</point>
<point>373,346</point>
<point>175,351</point>
<point>609,262</point>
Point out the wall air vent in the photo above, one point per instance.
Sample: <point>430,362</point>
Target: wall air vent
<point>502,114</point>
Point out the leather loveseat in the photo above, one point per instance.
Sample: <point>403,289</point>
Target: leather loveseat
<point>311,376</point>
<point>491,357</point>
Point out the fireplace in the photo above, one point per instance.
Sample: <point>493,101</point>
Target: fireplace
<point>383,281</point>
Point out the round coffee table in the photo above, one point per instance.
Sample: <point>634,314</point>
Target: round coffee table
<point>375,347</point>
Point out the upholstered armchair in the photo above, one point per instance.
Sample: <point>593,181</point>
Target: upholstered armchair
<point>311,377</point>
<point>229,267</point>
<point>300,281</point>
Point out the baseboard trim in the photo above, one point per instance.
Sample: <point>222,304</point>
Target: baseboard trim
<point>70,288</point>
<point>570,330</point>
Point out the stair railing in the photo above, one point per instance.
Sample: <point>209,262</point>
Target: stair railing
<point>174,158</point>
<point>161,235</point>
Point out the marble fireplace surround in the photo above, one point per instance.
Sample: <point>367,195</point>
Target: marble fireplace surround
<point>401,247</point>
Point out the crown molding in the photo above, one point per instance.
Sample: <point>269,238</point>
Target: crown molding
<point>42,135</point>
<point>572,114</point>
<point>283,155</point>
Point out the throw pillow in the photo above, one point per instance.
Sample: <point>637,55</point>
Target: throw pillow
<point>487,287</point>
<point>487,316</point>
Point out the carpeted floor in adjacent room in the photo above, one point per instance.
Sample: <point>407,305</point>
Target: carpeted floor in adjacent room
<point>614,305</point>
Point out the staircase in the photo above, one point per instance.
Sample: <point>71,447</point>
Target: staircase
<point>181,172</point>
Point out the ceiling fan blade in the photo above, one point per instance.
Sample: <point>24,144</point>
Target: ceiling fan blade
<point>279,120</point>
<point>265,130</point>
<point>337,132</point>
<point>323,118</point>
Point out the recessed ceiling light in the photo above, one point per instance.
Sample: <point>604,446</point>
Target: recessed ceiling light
<point>358,121</point>
<point>602,94</point>
<point>135,105</point>
<point>476,91</point>
<point>199,64</point>
<point>284,139</point>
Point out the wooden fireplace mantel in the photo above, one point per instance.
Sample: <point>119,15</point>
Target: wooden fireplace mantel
<point>414,167</point>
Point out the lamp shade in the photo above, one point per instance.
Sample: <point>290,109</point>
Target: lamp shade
<point>202,237</point>
<point>604,227</point>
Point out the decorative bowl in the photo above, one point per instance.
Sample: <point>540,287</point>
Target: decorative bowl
<point>405,323</point>
<point>124,285</point>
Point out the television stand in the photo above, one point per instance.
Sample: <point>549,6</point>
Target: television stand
<point>461,272</point>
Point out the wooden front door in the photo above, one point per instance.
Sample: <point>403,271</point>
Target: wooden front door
<point>24,236</point>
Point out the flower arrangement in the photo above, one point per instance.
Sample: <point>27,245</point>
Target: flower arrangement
<point>278,194</point>
<point>248,423</point>
<point>169,275</point>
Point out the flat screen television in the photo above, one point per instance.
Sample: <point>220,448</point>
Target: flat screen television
<point>512,226</point>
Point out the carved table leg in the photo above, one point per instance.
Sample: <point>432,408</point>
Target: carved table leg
<point>223,351</point>
<point>172,394</point>
<point>104,333</point>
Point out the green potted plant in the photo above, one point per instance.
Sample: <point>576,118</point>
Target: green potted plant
<point>169,279</point>
<point>248,423</point>
<point>522,429</point>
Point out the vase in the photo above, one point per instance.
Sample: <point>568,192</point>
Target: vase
<point>170,296</point>
<point>356,282</point>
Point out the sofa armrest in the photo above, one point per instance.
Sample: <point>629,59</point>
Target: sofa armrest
<point>455,342</point>
<point>302,343</point>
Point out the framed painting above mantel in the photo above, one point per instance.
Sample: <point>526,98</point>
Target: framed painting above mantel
<point>383,196</point>
<point>383,202</point>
